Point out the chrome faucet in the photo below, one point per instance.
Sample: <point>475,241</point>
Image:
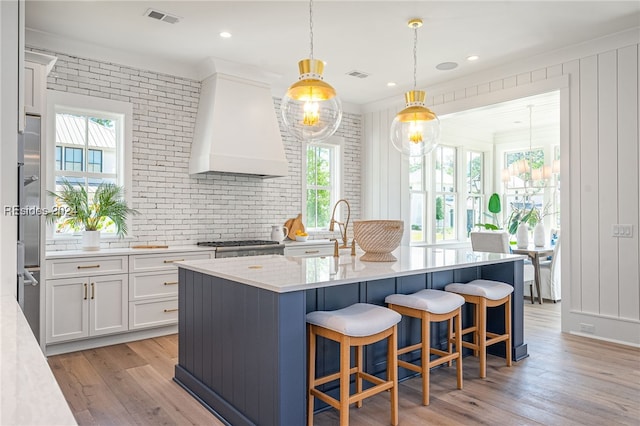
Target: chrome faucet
<point>341,226</point>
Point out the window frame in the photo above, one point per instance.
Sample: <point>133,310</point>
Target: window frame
<point>438,192</point>
<point>92,106</point>
<point>336,143</point>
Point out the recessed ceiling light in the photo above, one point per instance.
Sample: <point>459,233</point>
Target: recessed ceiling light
<point>391,83</point>
<point>225,34</point>
<point>473,58</point>
<point>445,66</point>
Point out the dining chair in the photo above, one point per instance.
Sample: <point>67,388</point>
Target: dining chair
<point>550,276</point>
<point>498,242</point>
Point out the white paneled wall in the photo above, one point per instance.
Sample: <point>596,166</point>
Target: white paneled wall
<point>177,208</point>
<point>598,83</point>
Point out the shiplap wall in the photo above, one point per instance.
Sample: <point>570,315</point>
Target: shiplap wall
<point>600,160</point>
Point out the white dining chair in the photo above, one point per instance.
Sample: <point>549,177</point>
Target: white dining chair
<point>498,242</point>
<point>550,276</point>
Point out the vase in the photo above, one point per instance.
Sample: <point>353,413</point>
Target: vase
<point>522,236</point>
<point>538,235</point>
<point>90,240</point>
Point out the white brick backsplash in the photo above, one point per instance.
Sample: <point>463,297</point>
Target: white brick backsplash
<point>176,208</point>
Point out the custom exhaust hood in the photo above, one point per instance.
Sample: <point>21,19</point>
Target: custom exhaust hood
<point>237,127</point>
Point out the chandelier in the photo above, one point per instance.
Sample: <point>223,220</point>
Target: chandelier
<point>524,173</point>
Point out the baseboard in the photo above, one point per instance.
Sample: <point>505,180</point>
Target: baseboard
<point>113,339</point>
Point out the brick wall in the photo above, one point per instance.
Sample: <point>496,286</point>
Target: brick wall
<point>176,208</point>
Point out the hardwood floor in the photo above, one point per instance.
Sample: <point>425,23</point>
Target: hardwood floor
<point>566,380</point>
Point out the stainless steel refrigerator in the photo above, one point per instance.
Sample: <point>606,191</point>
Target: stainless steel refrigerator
<point>29,221</point>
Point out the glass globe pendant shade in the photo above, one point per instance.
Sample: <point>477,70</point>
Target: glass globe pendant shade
<point>415,131</point>
<point>311,110</point>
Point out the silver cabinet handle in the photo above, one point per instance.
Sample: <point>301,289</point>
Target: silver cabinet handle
<point>311,251</point>
<point>174,260</point>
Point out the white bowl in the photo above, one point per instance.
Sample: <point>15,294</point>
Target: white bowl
<point>301,238</point>
<point>378,238</point>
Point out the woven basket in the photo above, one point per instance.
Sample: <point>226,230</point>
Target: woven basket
<point>378,238</point>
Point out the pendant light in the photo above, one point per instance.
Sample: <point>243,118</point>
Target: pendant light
<point>416,129</point>
<point>310,109</point>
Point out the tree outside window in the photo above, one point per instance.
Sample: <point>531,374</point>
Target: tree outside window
<point>474,189</point>
<point>445,193</point>
<point>322,184</point>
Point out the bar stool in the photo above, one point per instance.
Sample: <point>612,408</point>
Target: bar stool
<point>430,306</point>
<point>356,325</point>
<point>485,294</point>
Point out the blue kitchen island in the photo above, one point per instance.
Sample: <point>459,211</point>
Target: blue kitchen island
<point>242,330</point>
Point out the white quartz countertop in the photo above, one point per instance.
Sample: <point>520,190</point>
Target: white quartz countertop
<point>284,274</point>
<point>29,394</point>
<point>62,254</point>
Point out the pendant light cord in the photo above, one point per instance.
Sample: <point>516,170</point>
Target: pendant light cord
<point>415,56</point>
<point>530,152</point>
<point>311,28</point>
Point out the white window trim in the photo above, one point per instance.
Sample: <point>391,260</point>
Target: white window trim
<point>338,143</point>
<point>105,107</point>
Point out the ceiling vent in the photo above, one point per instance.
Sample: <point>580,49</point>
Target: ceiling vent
<point>162,16</point>
<point>358,74</point>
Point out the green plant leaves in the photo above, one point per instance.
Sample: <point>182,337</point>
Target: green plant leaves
<point>108,206</point>
<point>494,203</point>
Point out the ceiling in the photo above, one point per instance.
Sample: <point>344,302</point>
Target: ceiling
<point>366,36</point>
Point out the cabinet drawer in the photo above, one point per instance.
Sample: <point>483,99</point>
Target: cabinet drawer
<point>153,285</point>
<point>310,250</point>
<point>87,266</point>
<point>157,262</point>
<point>143,314</point>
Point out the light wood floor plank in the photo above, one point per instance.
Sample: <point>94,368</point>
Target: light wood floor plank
<point>566,380</point>
<point>177,402</point>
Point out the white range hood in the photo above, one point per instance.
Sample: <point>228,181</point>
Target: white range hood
<point>236,128</point>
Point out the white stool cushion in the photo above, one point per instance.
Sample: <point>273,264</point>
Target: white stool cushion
<point>434,301</point>
<point>358,320</point>
<point>493,290</point>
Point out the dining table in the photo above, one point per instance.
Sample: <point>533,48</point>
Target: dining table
<point>535,253</point>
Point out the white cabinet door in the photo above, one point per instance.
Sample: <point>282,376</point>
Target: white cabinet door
<point>32,88</point>
<point>67,309</point>
<point>108,304</point>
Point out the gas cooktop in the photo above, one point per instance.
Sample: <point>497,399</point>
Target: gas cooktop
<point>238,243</point>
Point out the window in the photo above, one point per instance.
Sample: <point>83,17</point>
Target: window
<point>89,139</point>
<point>445,193</point>
<point>94,163</point>
<point>474,189</point>
<point>418,196</point>
<point>322,184</point>
<point>519,193</point>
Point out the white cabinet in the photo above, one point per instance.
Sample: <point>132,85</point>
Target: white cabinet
<point>34,84</point>
<point>91,296</point>
<point>309,248</point>
<point>33,88</point>
<point>86,306</point>
<point>86,297</point>
<point>153,290</point>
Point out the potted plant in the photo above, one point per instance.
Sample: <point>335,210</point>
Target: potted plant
<point>494,208</point>
<point>106,208</point>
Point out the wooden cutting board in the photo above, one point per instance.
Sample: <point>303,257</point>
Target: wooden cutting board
<point>294,225</point>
